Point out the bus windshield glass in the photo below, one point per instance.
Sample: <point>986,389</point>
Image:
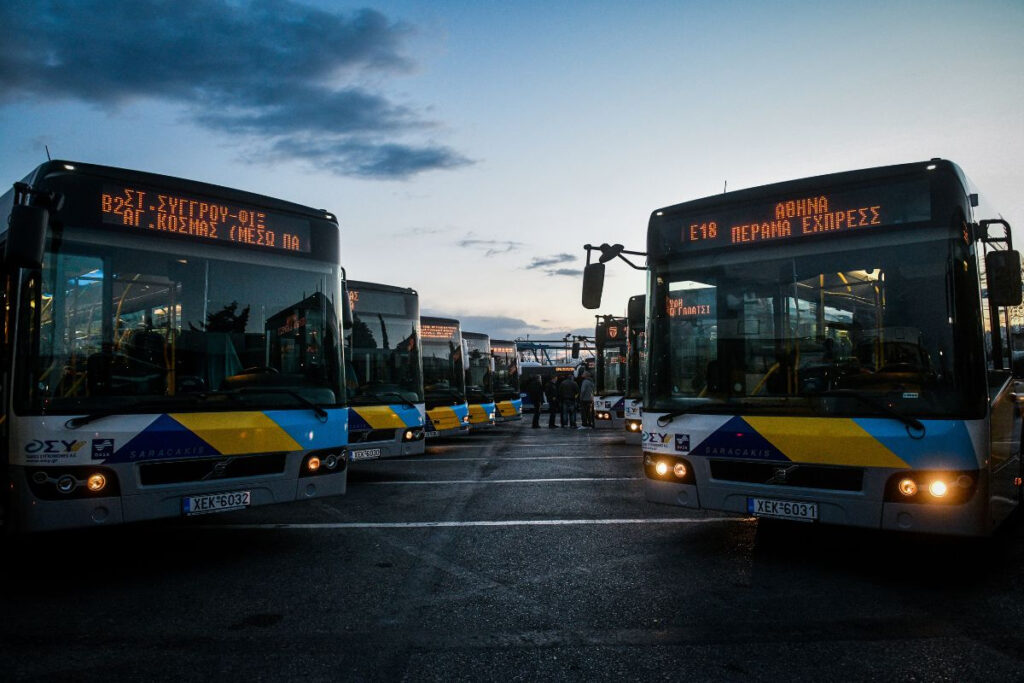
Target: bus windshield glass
<point>506,371</point>
<point>384,347</point>
<point>129,329</point>
<point>852,331</point>
<point>443,378</point>
<point>478,369</point>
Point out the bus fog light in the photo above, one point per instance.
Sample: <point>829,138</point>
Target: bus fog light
<point>679,469</point>
<point>661,468</point>
<point>66,484</point>
<point>313,464</point>
<point>908,487</point>
<point>96,482</point>
<point>938,488</point>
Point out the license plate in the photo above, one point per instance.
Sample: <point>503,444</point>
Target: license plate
<point>428,435</point>
<point>215,502</point>
<point>365,454</point>
<point>783,509</point>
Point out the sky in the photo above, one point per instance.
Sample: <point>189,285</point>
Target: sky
<point>471,148</point>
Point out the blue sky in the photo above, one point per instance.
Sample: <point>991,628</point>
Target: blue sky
<point>470,149</point>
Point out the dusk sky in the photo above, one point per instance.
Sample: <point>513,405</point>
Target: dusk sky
<point>471,149</point>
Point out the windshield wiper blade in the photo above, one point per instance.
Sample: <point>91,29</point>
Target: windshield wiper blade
<point>878,405</point>
<point>382,394</point>
<point>315,407</point>
<point>133,409</point>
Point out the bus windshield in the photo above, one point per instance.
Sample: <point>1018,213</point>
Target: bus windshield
<point>838,333</point>
<point>384,346</point>
<point>443,378</point>
<point>612,376</point>
<point>478,369</point>
<point>120,328</point>
<point>506,372</point>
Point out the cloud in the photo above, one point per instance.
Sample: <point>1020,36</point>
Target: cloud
<point>544,264</point>
<point>272,71</point>
<point>491,247</point>
<point>539,262</point>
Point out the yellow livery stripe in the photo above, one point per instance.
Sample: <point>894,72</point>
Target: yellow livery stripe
<point>825,441</point>
<point>379,417</point>
<point>238,433</point>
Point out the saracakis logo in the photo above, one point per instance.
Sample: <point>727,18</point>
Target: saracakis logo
<point>53,446</point>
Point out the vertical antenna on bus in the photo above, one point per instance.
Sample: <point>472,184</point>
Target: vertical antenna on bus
<point>725,188</point>
<point>47,148</point>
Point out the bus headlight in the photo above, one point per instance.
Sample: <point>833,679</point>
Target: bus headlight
<point>67,484</point>
<point>942,487</point>
<point>679,469</point>
<point>668,468</point>
<point>312,464</point>
<point>96,482</point>
<point>661,468</point>
<point>324,462</point>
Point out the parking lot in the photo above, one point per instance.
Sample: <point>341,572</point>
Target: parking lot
<point>512,554</point>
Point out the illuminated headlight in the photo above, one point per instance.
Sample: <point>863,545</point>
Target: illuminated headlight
<point>932,487</point>
<point>679,469</point>
<point>908,487</point>
<point>313,464</point>
<point>634,426</point>
<point>661,468</point>
<point>96,482</point>
<point>409,435</point>
<point>938,488</point>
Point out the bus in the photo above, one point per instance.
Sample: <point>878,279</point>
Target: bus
<point>507,391</point>
<point>636,350</point>
<point>610,394</point>
<point>171,348</point>
<point>836,349</point>
<point>479,380</point>
<point>444,379</point>
<point>384,371</point>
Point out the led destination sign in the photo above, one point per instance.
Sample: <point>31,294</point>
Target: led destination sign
<point>203,220</point>
<point>806,215</point>
<point>438,330</point>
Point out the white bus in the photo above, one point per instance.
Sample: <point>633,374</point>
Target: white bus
<point>170,348</point>
<point>386,414</point>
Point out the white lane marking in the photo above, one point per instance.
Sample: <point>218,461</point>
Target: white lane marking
<point>482,523</point>
<point>495,481</point>
<point>428,458</point>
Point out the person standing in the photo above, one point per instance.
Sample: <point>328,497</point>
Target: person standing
<point>587,402</point>
<point>568,392</point>
<point>551,393</point>
<point>535,390</point>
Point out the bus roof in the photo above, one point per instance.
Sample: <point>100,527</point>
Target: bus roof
<point>64,167</point>
<point>378,287</point>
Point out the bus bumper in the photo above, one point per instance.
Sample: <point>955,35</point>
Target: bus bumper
<point>968,519</point>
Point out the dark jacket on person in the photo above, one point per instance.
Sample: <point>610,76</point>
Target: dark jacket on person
<point>551,391</point>
<point>568,390</point>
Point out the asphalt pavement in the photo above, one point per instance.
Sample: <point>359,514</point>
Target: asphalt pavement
<point>513,554</point>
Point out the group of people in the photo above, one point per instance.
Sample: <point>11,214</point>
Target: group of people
<point>564,396</point>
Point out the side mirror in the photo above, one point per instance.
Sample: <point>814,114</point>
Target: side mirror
<point>1004,279</point>
<point>593,285</point>
<point>575,349</point>
<point>26,237</point>
<point>636,308</point>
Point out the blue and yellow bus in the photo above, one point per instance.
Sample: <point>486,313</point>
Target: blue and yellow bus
<point>444,379</point>
<point>610,343</point>
<point>479,380</point>
<point>170,348</point>
<point>636,351</point>
<point>507,386</point>
<point>836,349</point>
<point>384,372</point>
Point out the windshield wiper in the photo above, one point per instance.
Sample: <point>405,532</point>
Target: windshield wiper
<point>911,422</point>
<point>382,394</point>
<point>237,394</point>
<point>133,409</point>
